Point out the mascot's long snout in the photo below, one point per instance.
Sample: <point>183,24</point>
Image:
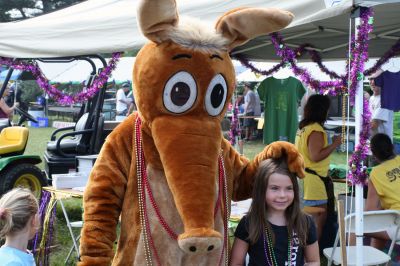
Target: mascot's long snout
<point>189,154</point>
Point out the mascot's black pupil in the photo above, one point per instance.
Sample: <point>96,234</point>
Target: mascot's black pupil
<point>217,95</point>
<point>180,93</point>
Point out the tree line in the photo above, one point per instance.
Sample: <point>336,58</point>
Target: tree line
<point>13,10</point>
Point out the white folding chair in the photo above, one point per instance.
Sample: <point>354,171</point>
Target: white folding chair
<point>374,221</point>
<point>77,224</point>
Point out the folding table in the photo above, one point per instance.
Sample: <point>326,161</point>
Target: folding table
<point>59,195</point>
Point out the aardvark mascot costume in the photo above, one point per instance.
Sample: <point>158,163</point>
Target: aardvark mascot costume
<point>166,174</point>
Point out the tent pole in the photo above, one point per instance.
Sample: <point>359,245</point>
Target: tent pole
<point>359,198</point>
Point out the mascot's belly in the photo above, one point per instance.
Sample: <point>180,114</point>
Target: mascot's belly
<point>166,247</point>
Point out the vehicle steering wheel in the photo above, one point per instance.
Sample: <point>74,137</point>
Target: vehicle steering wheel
<point>25,115</point>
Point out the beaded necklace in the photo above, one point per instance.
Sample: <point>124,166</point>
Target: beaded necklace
<point>269,249</point>
<point>144,186</point>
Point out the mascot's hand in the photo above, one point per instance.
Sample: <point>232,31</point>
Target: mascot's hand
<point>278,149</point>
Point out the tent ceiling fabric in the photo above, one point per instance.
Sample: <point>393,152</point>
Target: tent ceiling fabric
<point>104,26</point>
<point>330,36</point>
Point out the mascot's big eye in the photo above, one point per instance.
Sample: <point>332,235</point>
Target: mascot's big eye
<point>180,92</point>
<point>216,95</point>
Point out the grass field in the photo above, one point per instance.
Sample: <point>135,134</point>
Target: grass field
<point>37,145</point>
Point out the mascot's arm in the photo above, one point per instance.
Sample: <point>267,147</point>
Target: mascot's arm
<point>243,170</point>
<point>104,196</point>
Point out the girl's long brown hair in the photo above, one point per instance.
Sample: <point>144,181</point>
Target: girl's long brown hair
<point>296,220</point>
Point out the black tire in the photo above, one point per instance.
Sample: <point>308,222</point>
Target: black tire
<point>23,175</point>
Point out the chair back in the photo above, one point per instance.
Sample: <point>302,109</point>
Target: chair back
<point>375,221</point>
<point>378,221</point>
<point>83,140</point>
<point>81,124</point>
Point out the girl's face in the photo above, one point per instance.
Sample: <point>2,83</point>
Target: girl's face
<point>280,193</point>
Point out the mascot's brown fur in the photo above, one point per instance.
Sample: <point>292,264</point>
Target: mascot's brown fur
<point>166,173</point>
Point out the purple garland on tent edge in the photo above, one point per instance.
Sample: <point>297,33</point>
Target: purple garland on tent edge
<point>359,55</point>
<point>234,129</point>
<point>52,91</point>
<point>316,58</point>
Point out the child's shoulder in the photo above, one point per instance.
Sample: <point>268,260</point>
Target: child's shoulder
<point>14,257</point>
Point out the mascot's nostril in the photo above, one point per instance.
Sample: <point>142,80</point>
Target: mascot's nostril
<point>210,248</point>
<point>192,249</point>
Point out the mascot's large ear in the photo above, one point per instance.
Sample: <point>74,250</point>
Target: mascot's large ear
<point>243,24</point>
<point>156,18</point>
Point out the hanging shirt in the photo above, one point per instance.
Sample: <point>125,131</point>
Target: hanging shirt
<point>385,116</point>
<point>281,98</point>
<point>386,179</point>
<point>390,90</point>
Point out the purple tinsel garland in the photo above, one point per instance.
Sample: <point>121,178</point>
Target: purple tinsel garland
<point>42,256</point>
<point>44,200</point>
<point>288,55</point>
<point>316,58</point>
<point>358,172</point>
<point>392,52</point>
<point>359,55</point>
<point>52,91</point>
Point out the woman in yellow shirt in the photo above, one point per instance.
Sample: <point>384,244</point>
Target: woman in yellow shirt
<point>312,143</point>
<point>384,184</point>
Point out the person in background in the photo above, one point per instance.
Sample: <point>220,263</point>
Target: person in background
<point>312,142</point>
<point>249,108</point>
<point>239,102</point>
<point>5,110</point>
<point>367,95</point>
<point>19,222</point>
<point>383,185</point>
<point>257,109</point>
<point>123,102</point>
<point>132,106</point>
<point>381,118</point>
<point>15,95</point>
<point>275,230</point>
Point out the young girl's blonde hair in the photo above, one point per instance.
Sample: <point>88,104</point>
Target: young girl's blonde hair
<point>16,208</point>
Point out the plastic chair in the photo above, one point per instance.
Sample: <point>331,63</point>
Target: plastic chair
<point>374,221</point>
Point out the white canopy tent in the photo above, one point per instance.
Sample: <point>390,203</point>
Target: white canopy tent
<point>103,26</point>
<point>99,26</point>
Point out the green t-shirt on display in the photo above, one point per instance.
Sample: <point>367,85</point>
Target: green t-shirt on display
<point>281,98</point>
